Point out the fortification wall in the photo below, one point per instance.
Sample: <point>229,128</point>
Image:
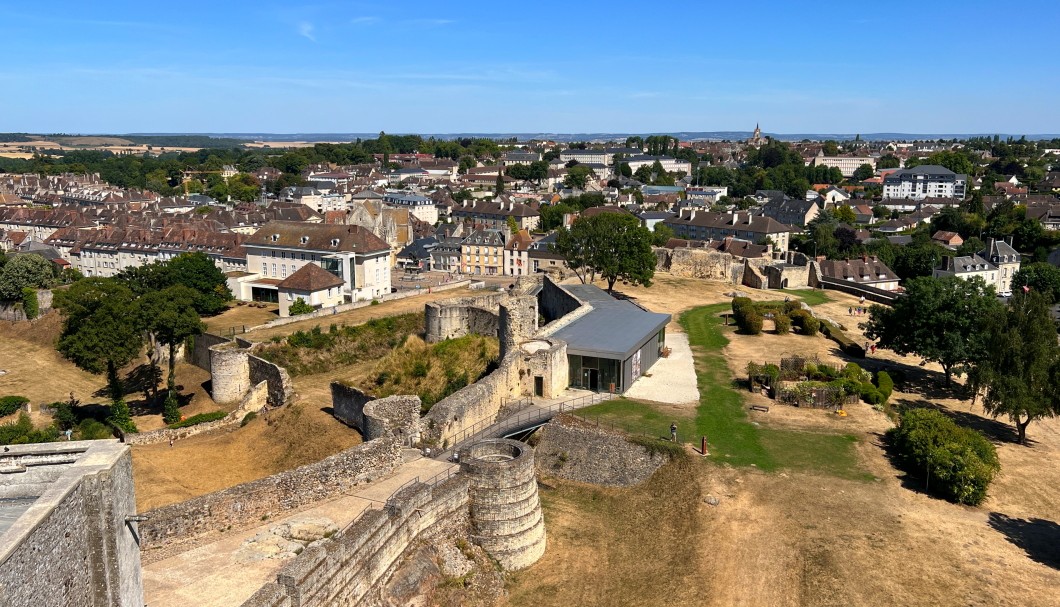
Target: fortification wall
<point>575,450</point>
<point>281,390</point>
<point>353,566</point>
<point>245,505</point>
<point>200,353</point>
<point>753,277</point>
<point>518,322</point>
<point>481,321</point>
<point>13,310</point>
<point>450,417</point>
<point>506,517</point>
<point>347,404</point>
<point>555,302</point>
<point>453,317</point>
<point>73,547</point>
<point>253,401</point>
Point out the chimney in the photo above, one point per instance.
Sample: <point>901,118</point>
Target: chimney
<point>735,217</point>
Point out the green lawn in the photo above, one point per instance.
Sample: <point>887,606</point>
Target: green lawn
<point>722,416</point>
<point>812,297</point>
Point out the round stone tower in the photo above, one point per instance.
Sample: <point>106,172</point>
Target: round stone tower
<point>518,322</point>
<point>506,515</point>
<point>230,372</point>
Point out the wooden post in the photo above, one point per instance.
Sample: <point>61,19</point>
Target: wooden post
<point>703,446</point>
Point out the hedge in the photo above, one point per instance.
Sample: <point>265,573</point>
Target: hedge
<point>884,384</point>
<point>956,463</point>
<point>11,404</point>
<point>201,418</point>
<point>805,321</point>
<point>845,343</point>
<point>782,324</point>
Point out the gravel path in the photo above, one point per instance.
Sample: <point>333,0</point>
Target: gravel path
<point>673,379</point>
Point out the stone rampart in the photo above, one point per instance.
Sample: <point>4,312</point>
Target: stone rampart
<point>518,322</point>
<point>556,302</point>
<point>374,417</point>
<point>229,372</point>
<point>13,310</point>
<point>200,353</point>
<point>451,318</point>
<point>352,567</point>
<point>246,505</point>
<point>576,450</point>
<point>252,402</point>
<point>450,417</point>
<point>347,404</point>
<point>702,263</point>
<point>506,517</point>
<point>281,390</point>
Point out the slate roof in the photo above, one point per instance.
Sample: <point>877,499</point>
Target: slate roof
<point>615,328</point>
<point>310,278</point>
<point>317,237</point>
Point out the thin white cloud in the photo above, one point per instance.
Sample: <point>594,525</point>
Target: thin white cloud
<point>305,30</point>
<point>432,22</point>
<point>364,20</point>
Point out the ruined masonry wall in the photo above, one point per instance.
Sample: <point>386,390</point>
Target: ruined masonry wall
<point>200,354</point>
<point>252,402</point>
<point>575,450</point>
<point>453,318</point>
<point>353,566</point>
<point>518,322</point>
<point>506,517</point>
<point>230,372</point>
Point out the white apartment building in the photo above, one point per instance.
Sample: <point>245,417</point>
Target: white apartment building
<point>280,248</point>
<point>926,181</point>
<point>846,164</point>
<point>670,165</point>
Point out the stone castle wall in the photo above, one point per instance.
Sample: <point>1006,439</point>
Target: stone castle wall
<point>451,318</point>
<point>13,310</point>
<point>575,450</point>
<point>253,401</point>
<point>352,567</point>
<point>234,369</point>
<point>73,547</point>
<point>506,517</point>
<point>200,353</point>
<point>280,387</point>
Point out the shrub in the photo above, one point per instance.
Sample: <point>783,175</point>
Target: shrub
<point>121,417</point>
<point>810,326</point>
<point>870,394</point>
<point>853,371</point>
<point>65,415</point>
<point>752,323</point>
<point>91,429</point>
<point>420,368</point>
<point>30,305</point>
<point>782,324</point>
<point>300,307</point>
<point>171,409</point>
<point>22,432</point>
<point>375,302</point>
<point>249,417</point>
<point>10,404</point>
<point>957,463</point>
<point>884,384</point>
<point>201,418</point>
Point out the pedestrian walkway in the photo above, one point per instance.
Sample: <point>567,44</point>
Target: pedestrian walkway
<point>671,380</point>
<point>217,574</point>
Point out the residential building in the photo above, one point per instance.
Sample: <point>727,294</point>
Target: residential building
<point>846,164</point>
<point>517,254</point>
<point>791,211</point>
<point>669,164</point>
<point>950,240</point>
<point>707,195</point>
<point>867,271</point>
<point>313,285</point>
<point>482,253</point>
<point>421,207</point>
<point>967,267</point>
<point>541,256</point>
<point>693,224</point>
<point>519,157</point>
<point>924,181</point>
<point>1007,261</point>
<point>587,156</point>
<point>281,248</point>
<point>494,214</point>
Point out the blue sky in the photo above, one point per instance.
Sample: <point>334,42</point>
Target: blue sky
<point>944,66</point>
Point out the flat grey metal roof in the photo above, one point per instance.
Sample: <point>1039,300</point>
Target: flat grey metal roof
<point>615,328</point>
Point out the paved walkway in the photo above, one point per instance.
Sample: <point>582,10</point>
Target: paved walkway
<point>217,575</point>
<point>673,379</point>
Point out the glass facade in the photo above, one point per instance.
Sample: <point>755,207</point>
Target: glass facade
<point>596,374</point>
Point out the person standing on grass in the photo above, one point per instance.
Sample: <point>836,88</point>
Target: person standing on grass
<point>673,432</point>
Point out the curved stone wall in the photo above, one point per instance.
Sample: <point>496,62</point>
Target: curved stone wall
<point>505,509</point>
<point>517,322</point>
<point>460,316</point>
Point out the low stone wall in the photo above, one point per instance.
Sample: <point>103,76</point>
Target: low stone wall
<point>347,405</point>
<point>575,450</point>
<point>702,263</point>
<point>870,293</point>
<point>253,401</point>
<point>352,567</point>
<point>324,313</point>
<point>246,505</point>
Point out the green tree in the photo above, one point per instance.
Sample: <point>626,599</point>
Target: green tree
<point>830,148</point>
<point>498,189</point>
<point>513,226</point>
<point>169,316</point>
<point>1041,277</point>
<point>21,272</point>
<point>244,187</point>
<point>661,234</point>
<point>612,245</point>
<point>845,214</point>
<point>577,176</point>
<point>100,329</point>
<point>1020,368</point>
<point>938,319</point>
<point>888,161</point>
<point>193,270</point>
<point>863,172</point>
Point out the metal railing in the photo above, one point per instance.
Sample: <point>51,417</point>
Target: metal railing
<point>489,427</point>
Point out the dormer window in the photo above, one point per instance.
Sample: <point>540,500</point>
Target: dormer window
<point>275,237</point>
<point>304,240</point>
<point>334,242</point>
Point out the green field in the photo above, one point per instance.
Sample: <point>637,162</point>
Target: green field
<point>812,297</point>
<point>722,417</point>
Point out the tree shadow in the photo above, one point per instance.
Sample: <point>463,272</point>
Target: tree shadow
<point>997,432</point>
<point>136,381</point>
<point>908,480</point>
<point>909,378</point>
<point>1039,538</point>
